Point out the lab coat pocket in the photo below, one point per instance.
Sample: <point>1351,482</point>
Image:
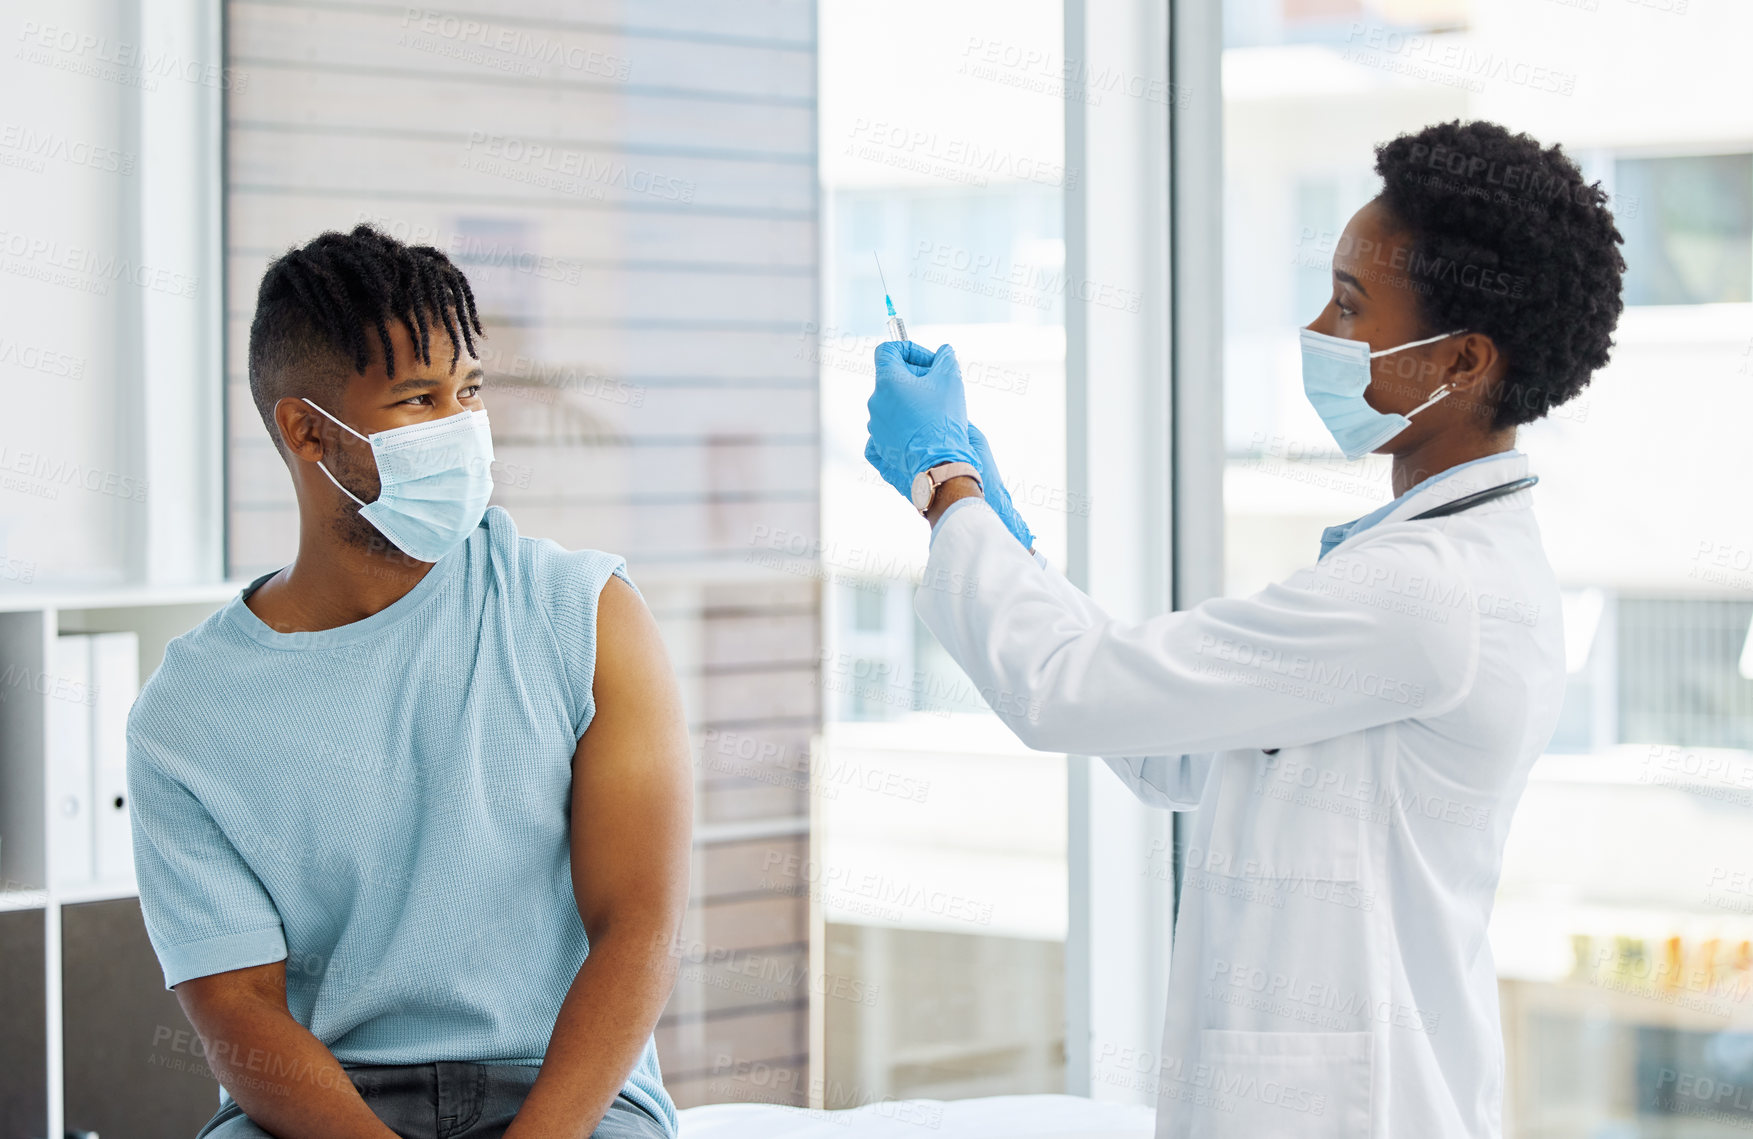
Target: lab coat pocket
<point>1280,1085</point>
<point>1268,821</point>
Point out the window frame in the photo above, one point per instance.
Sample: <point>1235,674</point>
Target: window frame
<point>1144,439</point>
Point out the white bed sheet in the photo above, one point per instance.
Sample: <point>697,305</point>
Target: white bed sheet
<point>995,1117</point>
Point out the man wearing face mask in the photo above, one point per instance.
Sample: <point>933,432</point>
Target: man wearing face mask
<point>411,815</point>
<point>1352,742</point>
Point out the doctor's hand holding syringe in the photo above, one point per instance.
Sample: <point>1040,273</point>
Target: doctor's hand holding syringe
<point>920,439</point>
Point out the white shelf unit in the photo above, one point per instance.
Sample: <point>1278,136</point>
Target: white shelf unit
<point>28,623</point>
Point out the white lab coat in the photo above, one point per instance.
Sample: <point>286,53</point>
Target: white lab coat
<point>1330,973</point>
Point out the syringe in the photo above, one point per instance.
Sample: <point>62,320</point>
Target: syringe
<point>897,329</point>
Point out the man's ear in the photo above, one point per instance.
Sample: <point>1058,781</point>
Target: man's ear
<point>300,426</point>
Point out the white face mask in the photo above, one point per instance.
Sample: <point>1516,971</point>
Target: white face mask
<point>434,481</point>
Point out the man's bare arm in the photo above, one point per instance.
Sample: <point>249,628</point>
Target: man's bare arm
<point>632,813</point>
<point>286,1080</point>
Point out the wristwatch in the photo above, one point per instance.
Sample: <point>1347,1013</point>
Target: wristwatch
<point>926,482</point>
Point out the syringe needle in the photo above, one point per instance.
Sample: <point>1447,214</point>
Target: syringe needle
<point>897,327</point>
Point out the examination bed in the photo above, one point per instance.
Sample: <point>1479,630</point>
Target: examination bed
<point>996,1117</point>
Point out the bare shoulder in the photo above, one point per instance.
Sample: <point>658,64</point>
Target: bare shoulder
<point>630,652</point>
<point>621,603</point>
<point>624,621</point>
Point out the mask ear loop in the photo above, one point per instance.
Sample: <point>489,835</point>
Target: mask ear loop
<point>1417,343</point>
<point>1439,394</point>
<point>326,470</point>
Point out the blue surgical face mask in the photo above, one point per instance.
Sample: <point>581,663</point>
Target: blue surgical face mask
<point>1336,373</point>
<point>434,480</point>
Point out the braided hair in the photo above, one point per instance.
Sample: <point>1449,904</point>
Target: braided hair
<point>318,306</point>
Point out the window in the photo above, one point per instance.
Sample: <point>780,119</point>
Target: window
<point>1680,675</point>
<point>110,287</point>
<point>1688,226</point>
<point>942,839</point>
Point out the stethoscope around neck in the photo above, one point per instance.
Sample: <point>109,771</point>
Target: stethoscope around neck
<point>1478,497</point>
<point>1465,502</point>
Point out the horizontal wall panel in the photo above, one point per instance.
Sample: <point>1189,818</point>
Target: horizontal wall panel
<point>690,344</point>
<point>729,1045</point>
<point>788,22</point>
<point>702,470</point>
<point>603,293</point>
<point>748,981</point>
<point>745,869</point>
<point>755,639</point>
<point>745,924</point>
<point>385,39</point>
<point>641,122</point>
<point>689,349</point>
<point>557,241</point>
<point>642,411</point>
<point>741,800</point>
<point>782,1080</point>
<point>768,694</point>
<point>678,533</point>
<point>735,754</point>
<point>260,479</point>
<point>756,465</point>
<point>759,595</point>
<point>453,167</point>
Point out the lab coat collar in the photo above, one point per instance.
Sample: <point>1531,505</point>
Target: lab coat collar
<point>1444,486</point>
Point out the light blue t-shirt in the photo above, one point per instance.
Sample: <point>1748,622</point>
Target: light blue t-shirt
<point>385,805</point>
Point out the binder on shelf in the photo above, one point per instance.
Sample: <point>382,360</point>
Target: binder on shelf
<point>115,678</point>
<point>69,722</point>
<point>92,682</point>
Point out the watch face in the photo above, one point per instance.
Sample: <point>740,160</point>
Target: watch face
<point>921,490</point>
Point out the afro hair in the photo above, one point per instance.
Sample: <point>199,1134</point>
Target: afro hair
<point>1508,240</point>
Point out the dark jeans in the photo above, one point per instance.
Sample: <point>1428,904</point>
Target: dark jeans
<point>447,1100</point>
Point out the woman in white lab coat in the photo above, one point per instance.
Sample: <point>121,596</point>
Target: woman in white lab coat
<point>1351,742</point>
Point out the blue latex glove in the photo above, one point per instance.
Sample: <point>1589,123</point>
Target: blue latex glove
<point>889,468</point>
<point>997,497</point>
<point>918,414</point>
